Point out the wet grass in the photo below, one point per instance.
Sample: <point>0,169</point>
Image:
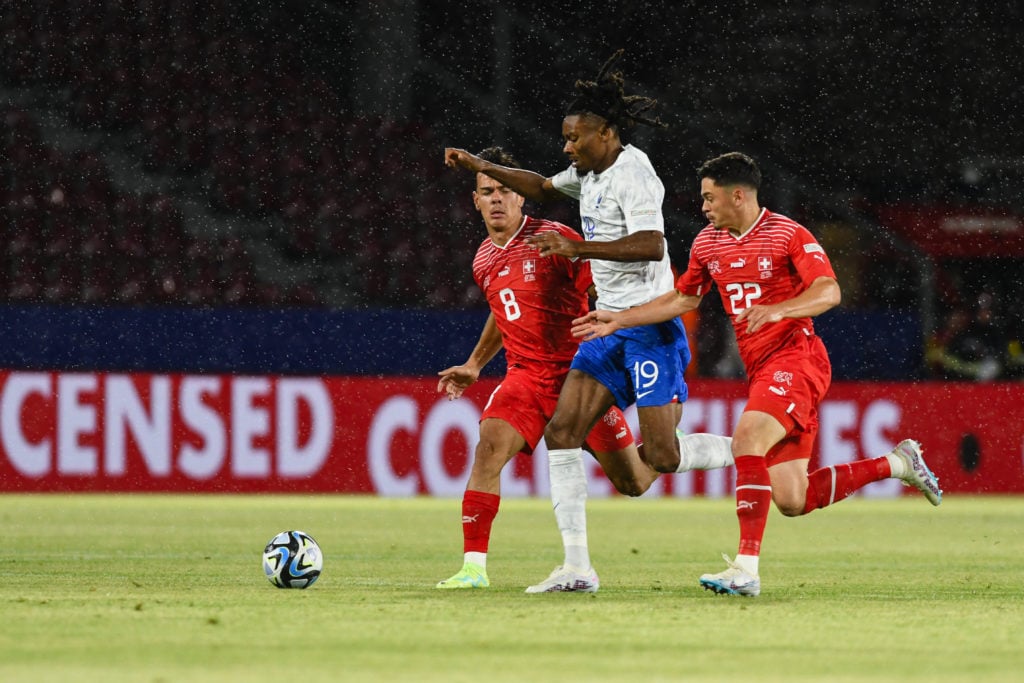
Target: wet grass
<point>167,588</point>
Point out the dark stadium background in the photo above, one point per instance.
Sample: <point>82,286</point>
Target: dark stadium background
<point>234,186</point>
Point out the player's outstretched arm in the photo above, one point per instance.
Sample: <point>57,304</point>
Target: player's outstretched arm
<point>527,183</point>
<point>823,294</point>
<point>647,245</point>
<point>456,379</point>
<point>600,323</point>
<point>460,158</point>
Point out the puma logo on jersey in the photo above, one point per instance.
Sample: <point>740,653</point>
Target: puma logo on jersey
<point>777,390</point>
<point>738,263</point>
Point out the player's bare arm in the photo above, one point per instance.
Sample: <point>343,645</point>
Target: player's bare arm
<point>647,245</point>
<point>456,379</point>
<point>601,323</point>
<point>460,158</point>
<point>823,294</point>
<point>527,183</point>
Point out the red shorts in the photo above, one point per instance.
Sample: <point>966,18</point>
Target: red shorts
<point>789,387</point>
<point>526,400</point>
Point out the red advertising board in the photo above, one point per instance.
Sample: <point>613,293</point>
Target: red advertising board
<point>395,436</point>
<point>957,232</point>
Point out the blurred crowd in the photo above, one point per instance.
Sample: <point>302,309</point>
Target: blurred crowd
<point>209,96</point>
<point>231,108</point>
<point>978,341</point>
<point>71,237</point>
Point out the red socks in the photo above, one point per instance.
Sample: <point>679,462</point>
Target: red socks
<point>478,512</point>
<point>824,486</point>
<point>831,484</point>
<point>753,501</point>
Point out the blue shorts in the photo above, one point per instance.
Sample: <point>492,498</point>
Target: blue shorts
<point>642,365</point>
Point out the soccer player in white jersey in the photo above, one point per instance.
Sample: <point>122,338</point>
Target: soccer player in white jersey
<point>621,218</point>
<point>773,277</point>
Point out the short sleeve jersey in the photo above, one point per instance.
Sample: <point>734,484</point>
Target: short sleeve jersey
<point>774,261</point>
<point>533,298</point>
<point>623,199</point>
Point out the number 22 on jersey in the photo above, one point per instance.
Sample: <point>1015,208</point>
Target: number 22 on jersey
<point>742,296</point>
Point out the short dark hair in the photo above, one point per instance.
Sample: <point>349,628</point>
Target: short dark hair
<point>497,155</point>
<point>733,168</point>
<point>605,97</point>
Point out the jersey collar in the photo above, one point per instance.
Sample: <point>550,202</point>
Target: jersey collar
<point>514,235</point>
<point>753,226</point>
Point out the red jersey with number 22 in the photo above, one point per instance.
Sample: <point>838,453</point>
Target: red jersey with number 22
<point>774,261</point>
<point>534,298</point>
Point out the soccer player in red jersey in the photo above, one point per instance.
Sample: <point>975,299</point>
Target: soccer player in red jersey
<point>533,301</point>
<point>773,277</point>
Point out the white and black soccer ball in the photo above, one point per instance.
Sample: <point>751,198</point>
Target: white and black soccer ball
<point>292,559</point>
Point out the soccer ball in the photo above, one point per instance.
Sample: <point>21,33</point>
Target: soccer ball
<point>292,559</point>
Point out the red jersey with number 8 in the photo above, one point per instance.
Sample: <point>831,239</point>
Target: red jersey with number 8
<point>774,261</point>
<point>534,298</point>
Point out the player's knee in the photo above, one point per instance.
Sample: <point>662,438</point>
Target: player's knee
<point>562,435</point>
<point>790,506</point>
<point>488,460</point>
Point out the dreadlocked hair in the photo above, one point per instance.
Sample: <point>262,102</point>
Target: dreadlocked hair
<point>606,98</point>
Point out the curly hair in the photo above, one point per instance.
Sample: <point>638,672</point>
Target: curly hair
<point>605,97</point>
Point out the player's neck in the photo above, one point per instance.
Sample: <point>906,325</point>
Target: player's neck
<point>501,236</point>
<point>610,158</point>
<point>748,219</point>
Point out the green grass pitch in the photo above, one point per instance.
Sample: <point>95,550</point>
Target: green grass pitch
<point>170,588</point>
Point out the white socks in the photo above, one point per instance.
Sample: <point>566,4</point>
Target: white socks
<point>569,486</point>
<point>475,558</point>
<point>896,465</point>
<point>704,452</point>
<point>747,563</point>
<point>569,501</point>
